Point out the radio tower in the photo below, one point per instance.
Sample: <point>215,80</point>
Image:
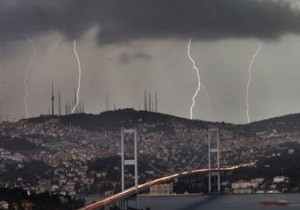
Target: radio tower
<point>145,101</point>
<point>149,106</point>
<point>156,109</point>
<point>59,103</point>
<point>107,102</point>
<point>52,100</point>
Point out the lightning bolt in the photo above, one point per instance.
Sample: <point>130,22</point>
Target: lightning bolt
<point>198,77</point>
<point>208,99</point>
<point>27,71</point>
<point>79,77</point>
<point>249,79</point>
<point>205,92</point>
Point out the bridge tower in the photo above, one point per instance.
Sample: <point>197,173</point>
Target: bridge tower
<point>213,158</point>
<point>132,162</point>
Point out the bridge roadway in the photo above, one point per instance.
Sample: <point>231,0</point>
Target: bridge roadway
<point>134,190</point>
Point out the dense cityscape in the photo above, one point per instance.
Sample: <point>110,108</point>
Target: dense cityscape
<point>65,156</point>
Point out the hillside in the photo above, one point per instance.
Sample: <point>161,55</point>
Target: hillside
<point>283,124</point>
<point>128,118</point>
<point>80,147</point>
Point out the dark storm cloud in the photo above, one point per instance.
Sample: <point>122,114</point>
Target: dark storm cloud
<point>125,20</point>
<point>125,57</point>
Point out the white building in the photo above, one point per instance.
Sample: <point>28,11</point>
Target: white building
<point>242,187</point>
<point>161,189</point>
<point>4,205</point>
<point>278,179</point>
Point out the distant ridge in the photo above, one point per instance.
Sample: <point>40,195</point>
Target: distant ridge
<point>114,120</point>
<point>285,123</point>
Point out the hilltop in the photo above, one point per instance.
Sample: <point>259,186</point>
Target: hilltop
<point>114,120</point>
<point>129,118</point>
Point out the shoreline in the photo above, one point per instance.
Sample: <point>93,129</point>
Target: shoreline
<point>190,194</point>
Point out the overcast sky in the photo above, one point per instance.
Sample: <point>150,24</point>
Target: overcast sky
<point>128,46</point>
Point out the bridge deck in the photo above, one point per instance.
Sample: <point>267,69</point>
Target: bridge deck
<point>134,190</point>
